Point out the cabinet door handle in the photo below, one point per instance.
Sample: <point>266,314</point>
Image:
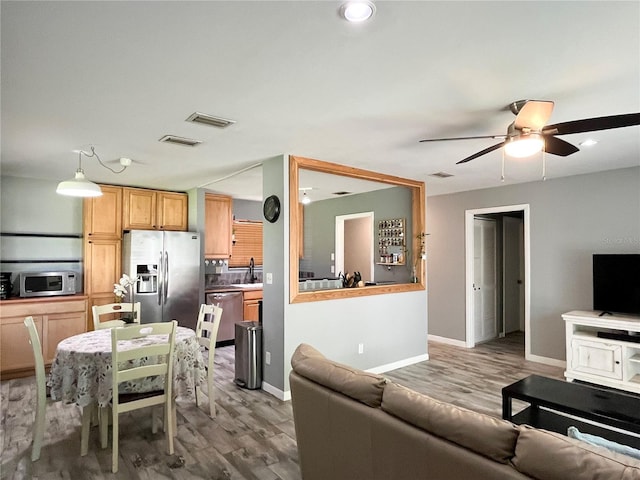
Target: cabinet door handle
<point>617,362</point>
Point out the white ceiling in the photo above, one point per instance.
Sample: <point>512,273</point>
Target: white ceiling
<point>298,79</point>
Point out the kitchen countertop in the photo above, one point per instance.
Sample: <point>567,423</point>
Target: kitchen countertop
<point>236,287</point>
<point>51,298</point>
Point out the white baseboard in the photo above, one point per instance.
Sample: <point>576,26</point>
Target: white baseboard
<point>276,392</point>
<point>554,362</point>
<point>448,341</point>
<point>399,364</point>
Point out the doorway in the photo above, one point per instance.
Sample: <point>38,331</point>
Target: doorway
<point>497,274</point>
<point>354,244</point>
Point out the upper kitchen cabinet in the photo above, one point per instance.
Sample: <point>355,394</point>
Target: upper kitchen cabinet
<point>103,215</point>
<point>217,223</point>
<point>154,210</point>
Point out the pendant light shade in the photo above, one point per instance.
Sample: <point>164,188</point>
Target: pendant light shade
<point>79,186</point>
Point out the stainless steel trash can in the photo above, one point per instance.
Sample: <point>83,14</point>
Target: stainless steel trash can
<point>248,355</point>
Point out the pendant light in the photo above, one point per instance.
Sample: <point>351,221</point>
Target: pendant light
<point>79,186</point>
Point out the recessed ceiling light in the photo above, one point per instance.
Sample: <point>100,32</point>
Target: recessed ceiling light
<point>357,11</point>
<point>589,142</point>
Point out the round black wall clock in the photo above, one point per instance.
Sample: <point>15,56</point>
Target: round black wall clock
<point>271,208</point>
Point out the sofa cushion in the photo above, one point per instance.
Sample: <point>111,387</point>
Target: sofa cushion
<point>357,384</point>
<point>485,435</point>
<point>550,456</point>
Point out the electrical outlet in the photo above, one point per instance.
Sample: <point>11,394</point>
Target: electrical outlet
<point>267,358</point>
<point>333,269</point>
<point>333,256</point>
<point>269,278</point>
<point>361,348</point>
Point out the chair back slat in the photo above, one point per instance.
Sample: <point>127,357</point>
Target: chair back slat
<point>109,310</point>
<point>143,371</point>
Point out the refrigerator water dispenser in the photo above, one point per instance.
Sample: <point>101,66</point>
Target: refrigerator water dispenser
<point>147,279</point>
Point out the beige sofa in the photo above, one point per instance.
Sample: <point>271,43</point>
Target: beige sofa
<point>352,425</point>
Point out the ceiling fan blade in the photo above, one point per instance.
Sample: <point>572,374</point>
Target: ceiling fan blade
<point>593,124</point>
<point>461,138</point>
<point>559,147</point>
<point>534,115</point>
<point>481,152</point>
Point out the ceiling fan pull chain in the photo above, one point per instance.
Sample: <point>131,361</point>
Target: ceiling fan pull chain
<point>544,164</point>
<point>502,176</point>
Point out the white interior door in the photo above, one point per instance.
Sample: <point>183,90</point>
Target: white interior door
<point>513,284</point>
<point>484,279</point>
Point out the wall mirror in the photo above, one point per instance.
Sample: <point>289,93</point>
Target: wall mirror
<point>346,193</point>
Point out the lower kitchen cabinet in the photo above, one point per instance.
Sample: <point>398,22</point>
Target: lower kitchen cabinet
<point>55,319</point>
<point>251,305</point>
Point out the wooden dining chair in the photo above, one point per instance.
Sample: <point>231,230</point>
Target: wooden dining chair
<point>207,331</point>
<point>126,367</point>
<point>112,309</point>
<point>41,394</point>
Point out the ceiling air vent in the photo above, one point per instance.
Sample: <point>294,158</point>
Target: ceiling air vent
<point>441,175</point>
<point>210,120</point>
<point>187,142</point>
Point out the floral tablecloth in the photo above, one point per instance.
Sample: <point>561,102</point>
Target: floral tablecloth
<point>81,369</point>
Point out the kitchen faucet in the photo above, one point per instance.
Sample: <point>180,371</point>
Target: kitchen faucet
<point>252,277</point>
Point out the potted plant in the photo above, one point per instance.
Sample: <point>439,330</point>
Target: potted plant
<point>120,290</point>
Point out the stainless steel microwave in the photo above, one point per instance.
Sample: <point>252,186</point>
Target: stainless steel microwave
<point>44,284</point>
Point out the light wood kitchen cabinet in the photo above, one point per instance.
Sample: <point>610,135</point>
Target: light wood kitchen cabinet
<point>102,245</point>
<point>102,268</point>
<point>218,221</point>
<point>154,210</point>
<point>103,215</point>
<point>251,305</point>
<point>55,319</point>
<point>102,260</point>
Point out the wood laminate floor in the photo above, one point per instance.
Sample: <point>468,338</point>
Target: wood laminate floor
<point>252,437</point>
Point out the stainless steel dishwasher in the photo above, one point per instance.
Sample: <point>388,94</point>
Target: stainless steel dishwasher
<point>231,304</point>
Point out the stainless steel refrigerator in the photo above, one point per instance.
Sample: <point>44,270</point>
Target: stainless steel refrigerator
<point>168,268</point>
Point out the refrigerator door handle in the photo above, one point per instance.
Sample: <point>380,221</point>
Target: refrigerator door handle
<point>161,286</point>
<point>166,274</point>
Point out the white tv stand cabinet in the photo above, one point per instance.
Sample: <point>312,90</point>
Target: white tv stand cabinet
<point>604,361</point>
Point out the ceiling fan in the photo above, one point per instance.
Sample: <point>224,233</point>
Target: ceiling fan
<point>528,134</point>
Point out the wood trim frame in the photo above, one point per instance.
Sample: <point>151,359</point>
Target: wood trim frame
<point>417,219</point>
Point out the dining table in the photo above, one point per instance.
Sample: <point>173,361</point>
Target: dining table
<point>81,369</point>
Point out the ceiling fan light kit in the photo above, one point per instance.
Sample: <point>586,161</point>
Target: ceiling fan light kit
<point>529,134</point>
<point>524,146</point>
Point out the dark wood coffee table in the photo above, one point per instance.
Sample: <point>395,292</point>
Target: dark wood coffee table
<point>552,401</point>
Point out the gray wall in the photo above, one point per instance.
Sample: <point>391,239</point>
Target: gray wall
<point>320,227</point>
<point>392,327</point>
<point>33,206</point>
<point>571,219</point>
<point>275,245</point>
<point>247,210</point>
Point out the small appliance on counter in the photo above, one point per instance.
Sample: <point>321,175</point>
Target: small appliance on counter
<point>46,284</point>
<point>5,285</point>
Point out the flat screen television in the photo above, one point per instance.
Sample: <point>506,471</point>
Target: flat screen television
<point>616,283</point>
